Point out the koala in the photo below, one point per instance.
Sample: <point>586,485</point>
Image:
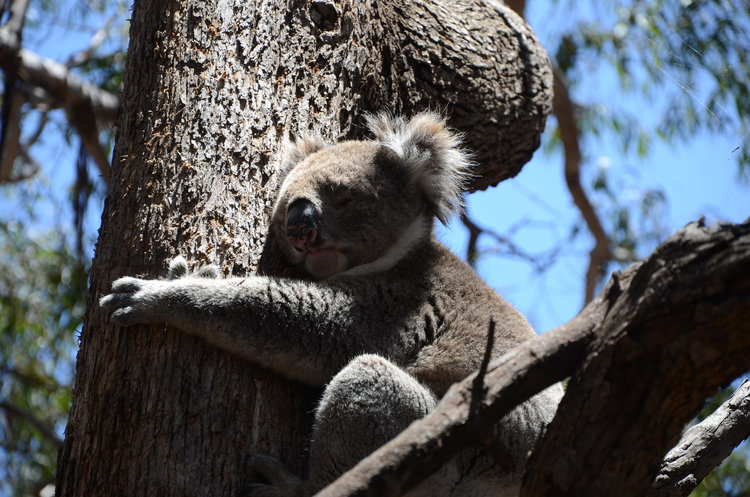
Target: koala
<point>374,309</point>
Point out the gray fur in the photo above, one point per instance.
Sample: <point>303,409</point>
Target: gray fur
<point>393,321</point>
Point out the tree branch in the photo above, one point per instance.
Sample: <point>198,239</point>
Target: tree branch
<point>62,85</point>
<point>32,381</point>
<point>17,17</point>
<point>501,129</point>
<point>42,427</point>
<point>12,101</point>
<point>474,232</point>
<point>11,133</point>
<point>518,6</point>
<point>540,262</point>
<point>568,126</point>
<point>84,104</point>
<point>682,315</point>
<point>704,446</point>
<point>699,260</point>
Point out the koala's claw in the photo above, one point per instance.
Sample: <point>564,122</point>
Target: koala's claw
<point>122,317</point>
<point>276,480</point>
<point>137,301</point>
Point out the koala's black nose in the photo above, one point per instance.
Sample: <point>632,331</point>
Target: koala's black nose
<point>302,223</point>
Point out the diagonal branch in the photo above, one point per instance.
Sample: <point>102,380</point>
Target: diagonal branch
<point>57,81</point>
<point>704,446</point>
<point>44,429</point>
<point>631,303</point>
<point>677,333</point>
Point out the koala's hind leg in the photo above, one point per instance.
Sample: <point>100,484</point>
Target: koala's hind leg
<point>366,404</point>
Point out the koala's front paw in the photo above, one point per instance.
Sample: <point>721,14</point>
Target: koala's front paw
<point>178,268</point>
<point>133,301</point>
<point>276,481</point>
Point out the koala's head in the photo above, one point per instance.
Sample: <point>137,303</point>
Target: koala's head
<point>358,207</point>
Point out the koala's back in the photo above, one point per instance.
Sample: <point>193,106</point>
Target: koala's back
<point>456,307</point>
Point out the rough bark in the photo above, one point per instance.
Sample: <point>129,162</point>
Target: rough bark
<point>703,446</point>
<point>644,355</point>
<point>677,333</point>
<point>210,90</point>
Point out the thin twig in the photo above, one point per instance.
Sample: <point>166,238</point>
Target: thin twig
<point>42,427</point>
<point>478,390</point>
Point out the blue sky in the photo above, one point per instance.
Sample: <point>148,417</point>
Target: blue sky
<point>699,179</point>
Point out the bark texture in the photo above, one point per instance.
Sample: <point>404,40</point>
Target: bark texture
<point>678,332</point>
<point>704,446</point>
<point>210,90</point>
<point>644,355</point>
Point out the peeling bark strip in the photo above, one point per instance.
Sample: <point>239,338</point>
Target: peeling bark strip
<point>210,90</point>
<point>659,339</point>
<point>703,446</point>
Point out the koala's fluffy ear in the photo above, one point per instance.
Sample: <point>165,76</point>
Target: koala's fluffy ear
<point>296,151</point>
<point>431,153</point>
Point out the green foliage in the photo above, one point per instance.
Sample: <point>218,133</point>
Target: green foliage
<point>730,479</point>
<point>688,58</point>
<point>42,288</point>
<point>685,61</point>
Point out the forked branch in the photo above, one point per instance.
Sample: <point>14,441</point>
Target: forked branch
<point>695,275</point>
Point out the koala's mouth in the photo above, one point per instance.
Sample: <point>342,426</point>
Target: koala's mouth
<point>320,258</point>
<point>325,262</point>
<point>321,262</point>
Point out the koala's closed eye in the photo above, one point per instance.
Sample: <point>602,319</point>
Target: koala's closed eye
<point>343,201</point>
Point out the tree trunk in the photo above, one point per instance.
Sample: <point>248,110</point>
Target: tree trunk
<point>210,90</point>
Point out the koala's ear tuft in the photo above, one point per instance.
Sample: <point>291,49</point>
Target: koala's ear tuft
<point>432,155</point>
<point>296,151</point>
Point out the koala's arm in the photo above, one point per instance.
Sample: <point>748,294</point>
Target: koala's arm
<point>303,330</point>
